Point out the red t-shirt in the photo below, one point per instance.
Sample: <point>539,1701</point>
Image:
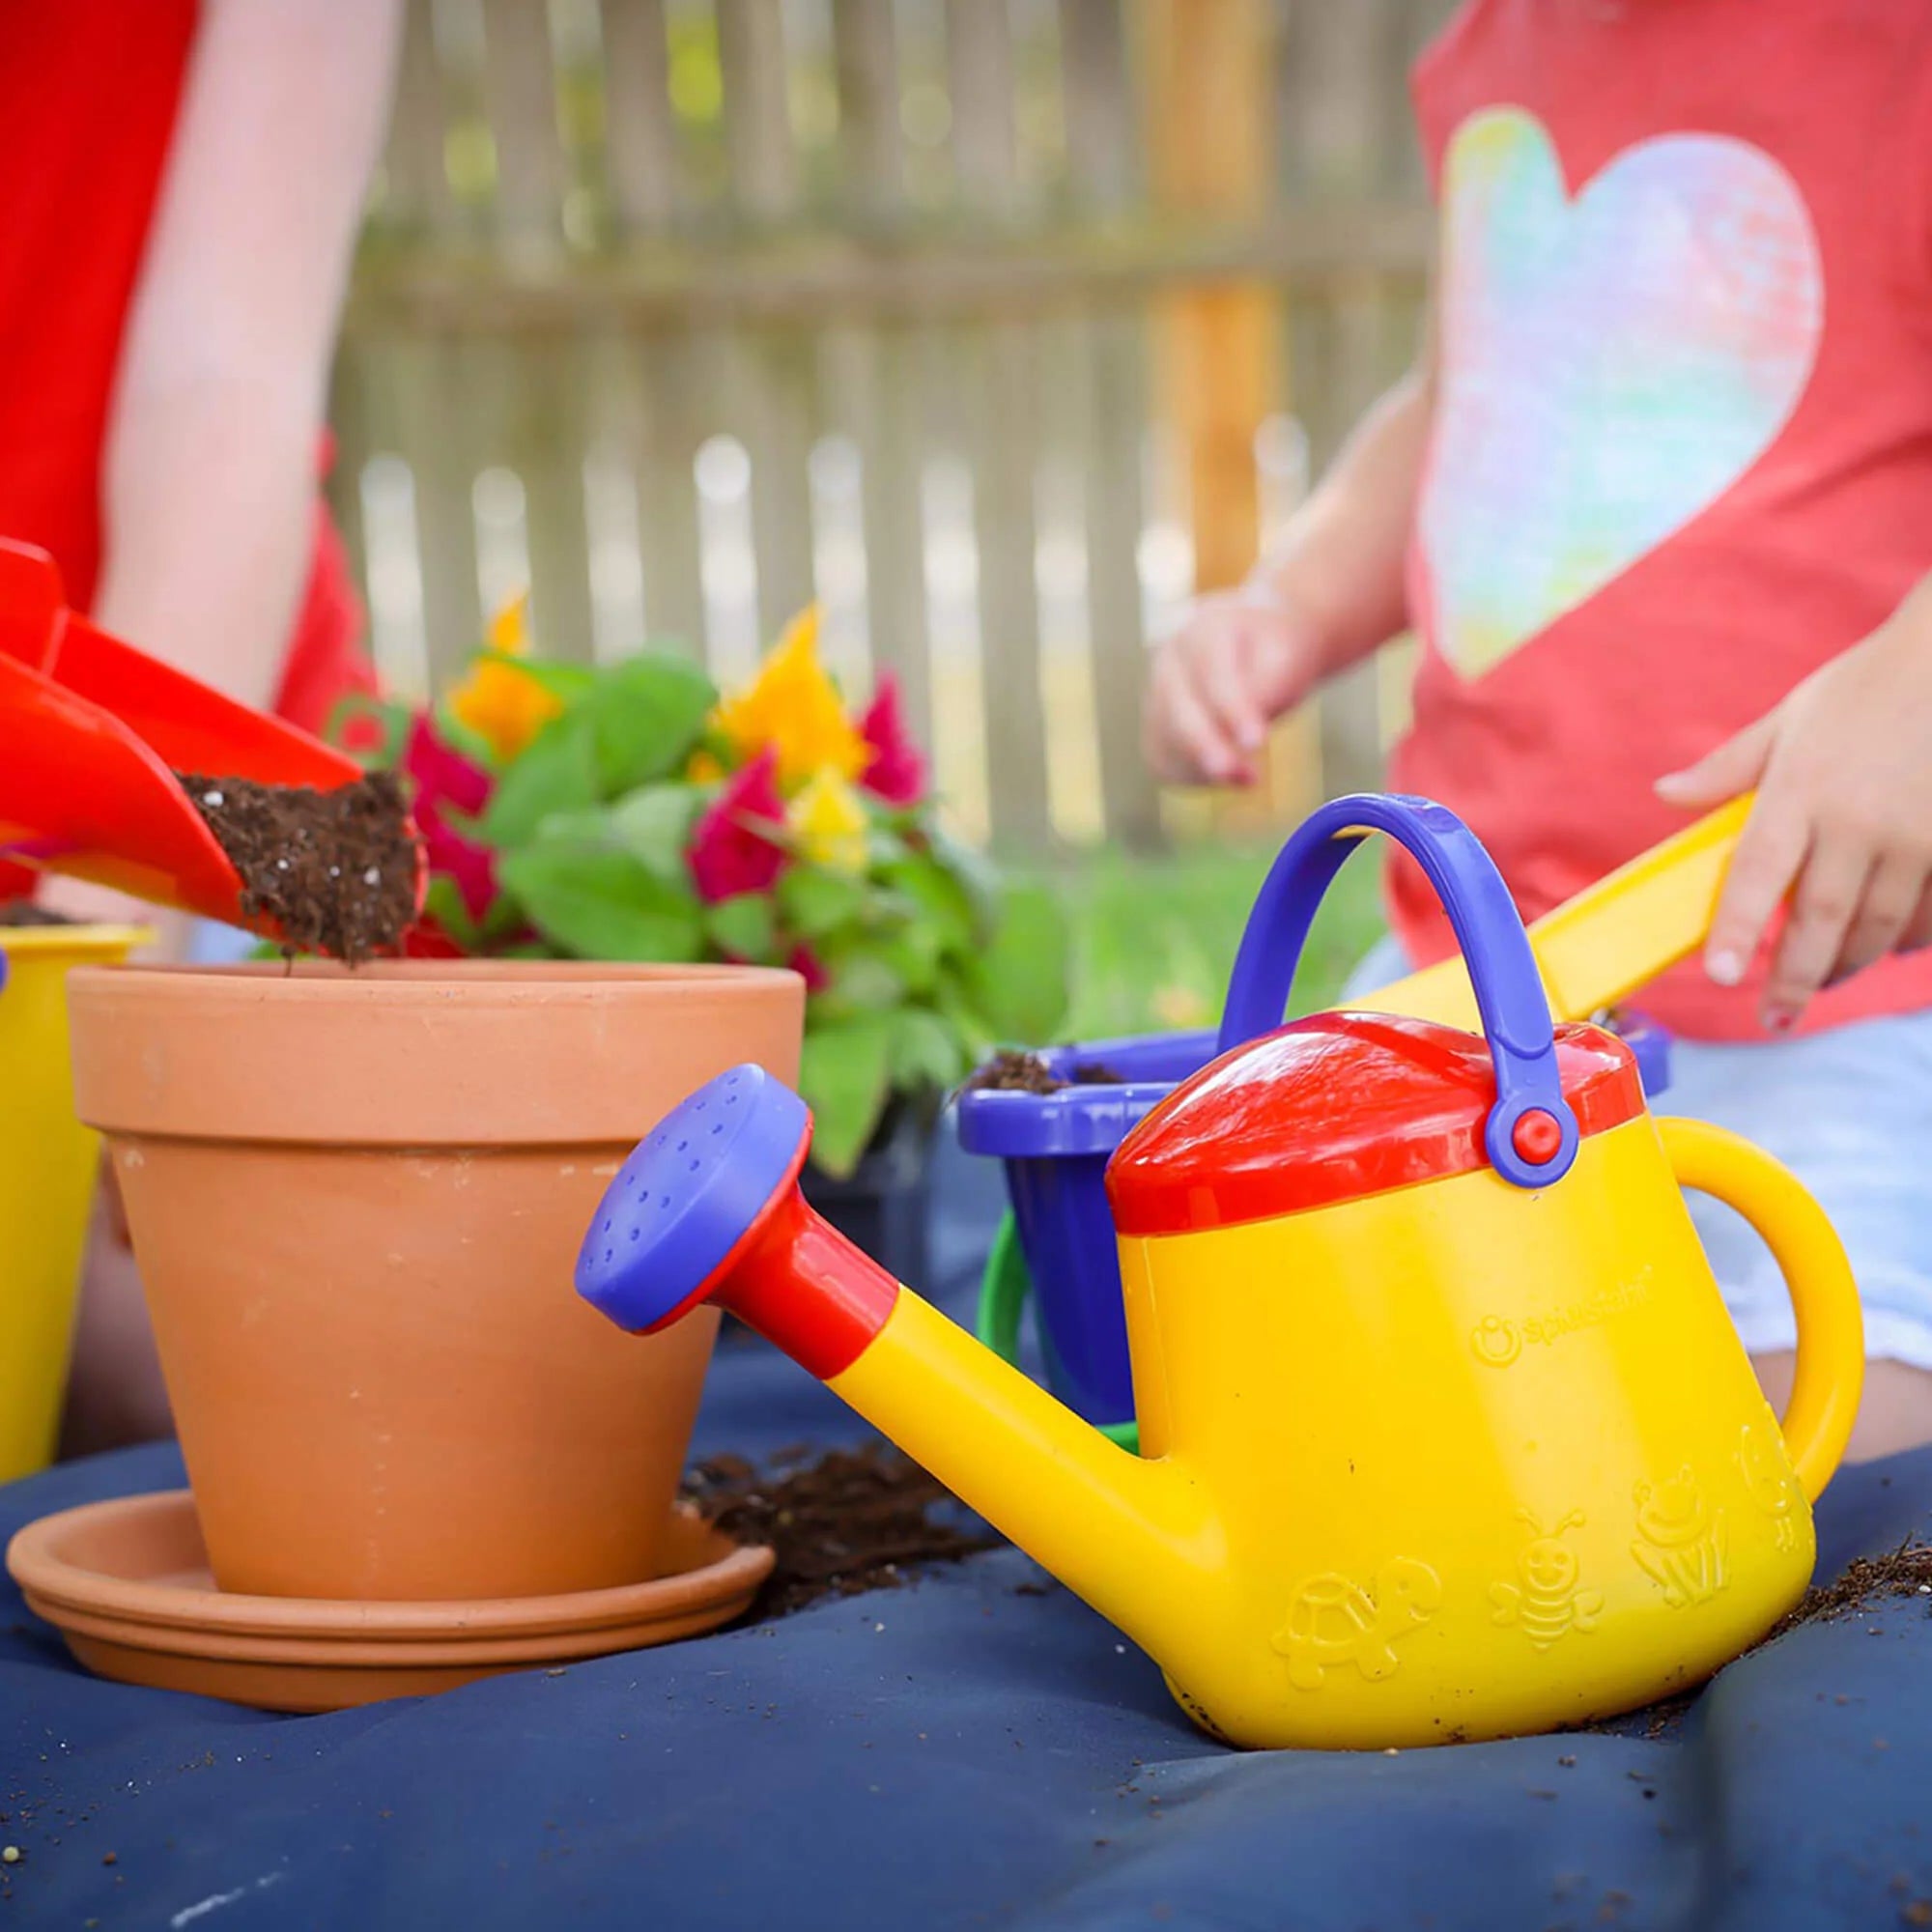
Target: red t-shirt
<point>1683,450</point>
<point>88,95</point>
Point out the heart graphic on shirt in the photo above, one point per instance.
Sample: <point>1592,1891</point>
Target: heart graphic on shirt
<point>1610,365</point>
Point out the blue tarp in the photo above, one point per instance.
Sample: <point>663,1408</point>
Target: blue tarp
<point>967,1751</point>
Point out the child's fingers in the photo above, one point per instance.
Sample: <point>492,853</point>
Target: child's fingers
<point>1771,848</point>
<point>1918,927</point>
<point>1188,745</point>
<point>1830,890</point>
<point>1893,896</point>
<point>1228,689</point>
<point>1735,766</point>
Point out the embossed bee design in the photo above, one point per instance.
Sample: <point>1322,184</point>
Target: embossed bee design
<point>1681,1545</point>
<point>1334,1621</point>
<point>1545,1601</point>
<point>1770,1482</point>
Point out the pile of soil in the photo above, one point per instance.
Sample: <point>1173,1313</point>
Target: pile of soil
<point>1015,1073</point>
<point>1903,1571</point>
<point>851,1522</point>
<point>335,871</point>
<point>19,913</point>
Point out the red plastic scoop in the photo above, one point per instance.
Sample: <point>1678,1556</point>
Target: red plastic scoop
<point>92,732</point>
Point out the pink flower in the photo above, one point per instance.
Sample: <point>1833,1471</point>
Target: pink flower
<point>443,778</point>
<point>895,772</point>
<point>728,853</point>
<point>805,962</point>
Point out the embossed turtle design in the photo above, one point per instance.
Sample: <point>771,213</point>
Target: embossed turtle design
<point>1334,1621</point>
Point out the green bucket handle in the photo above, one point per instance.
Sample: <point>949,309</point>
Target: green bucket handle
<point>1004,1288</point>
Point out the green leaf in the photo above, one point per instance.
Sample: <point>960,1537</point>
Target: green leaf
<point>504,918</point>
<point>913,953</point>
<point>604,905</point>
<point>654,822</point>
<point>817,901</point>
<point>443,902</point>
<point>942,899</point>
<point>587,828</point>
<point>926,1052</point>
<point>972,873</point>
<point>459,737</point>
<point>744,926</point>
<point>845,1079</point>
<point>647,714</point>
<point>556,773</point>
<point>957,1005</point>
<point>1018,984</point>
<point>861,981</point>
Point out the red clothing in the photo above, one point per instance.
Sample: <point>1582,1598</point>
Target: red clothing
<point>88,95</point>
<point>1682,454</point>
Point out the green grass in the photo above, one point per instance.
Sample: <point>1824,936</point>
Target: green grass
<point>1154,937</point>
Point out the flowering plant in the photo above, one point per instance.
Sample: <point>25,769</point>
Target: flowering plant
<point>632,812</point>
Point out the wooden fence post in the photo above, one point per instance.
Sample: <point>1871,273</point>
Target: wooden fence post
<point>1100,140</point>
<point>1211,147</point>
<point>1000,374</point>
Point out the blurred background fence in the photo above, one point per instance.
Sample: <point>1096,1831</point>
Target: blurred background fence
<point>998,325</point>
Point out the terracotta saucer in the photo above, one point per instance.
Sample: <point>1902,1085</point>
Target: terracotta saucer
<point>127,1583</point>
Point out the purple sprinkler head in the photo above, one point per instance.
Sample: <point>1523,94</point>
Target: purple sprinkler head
<point>708,1208</point>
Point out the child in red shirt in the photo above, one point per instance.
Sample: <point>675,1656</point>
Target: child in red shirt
<point>1658,500</point>
<point>183,192</point>
<point>174,243</point>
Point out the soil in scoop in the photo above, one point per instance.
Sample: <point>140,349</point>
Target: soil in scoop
<point>334,870</point>
<point>851,1522</point>
<point>25,913</point>
<point>1012,1072</point>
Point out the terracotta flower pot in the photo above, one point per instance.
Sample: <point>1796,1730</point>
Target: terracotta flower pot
<point>356,1200</point>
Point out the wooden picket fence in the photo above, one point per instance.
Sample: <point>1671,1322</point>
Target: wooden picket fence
<point>997,325</point>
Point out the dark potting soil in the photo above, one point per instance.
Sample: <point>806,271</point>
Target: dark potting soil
<point>1014,1073</point>
<point>334,870</point>
<point>19,913</point>
<point>851,1522</point>
<point>1903,1571</point>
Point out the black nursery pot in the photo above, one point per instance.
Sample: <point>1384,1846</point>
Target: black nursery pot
<point>884,1205</point>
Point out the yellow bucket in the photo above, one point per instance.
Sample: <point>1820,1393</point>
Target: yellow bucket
<point>47,1166</point>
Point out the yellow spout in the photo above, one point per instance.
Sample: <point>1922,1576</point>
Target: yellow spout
<point>1135,1538</point>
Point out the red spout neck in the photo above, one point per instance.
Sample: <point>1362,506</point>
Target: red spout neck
<point>805,1288</point>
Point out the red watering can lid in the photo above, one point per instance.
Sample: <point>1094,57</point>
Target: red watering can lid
<point>1337,1107</point>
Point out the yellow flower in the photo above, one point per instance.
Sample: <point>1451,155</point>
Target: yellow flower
<point>509,629</point>
<point>1179,1006</point>
<point>502,703</point>
<point>704,769</point>
<point>793,706</point>
<point>829,823</point>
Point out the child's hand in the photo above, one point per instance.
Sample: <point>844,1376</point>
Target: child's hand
<point>1843,771</point>
<point>1241,660</point>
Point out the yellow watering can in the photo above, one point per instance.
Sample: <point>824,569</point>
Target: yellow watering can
<point>1445,1432</point>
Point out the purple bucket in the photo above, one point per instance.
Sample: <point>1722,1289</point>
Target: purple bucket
<point>1056,1147</point>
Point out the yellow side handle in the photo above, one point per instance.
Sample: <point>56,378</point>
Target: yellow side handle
<point>1596,949</point>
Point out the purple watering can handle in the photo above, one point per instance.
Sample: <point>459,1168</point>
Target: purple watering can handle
<point>1509,989</point>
